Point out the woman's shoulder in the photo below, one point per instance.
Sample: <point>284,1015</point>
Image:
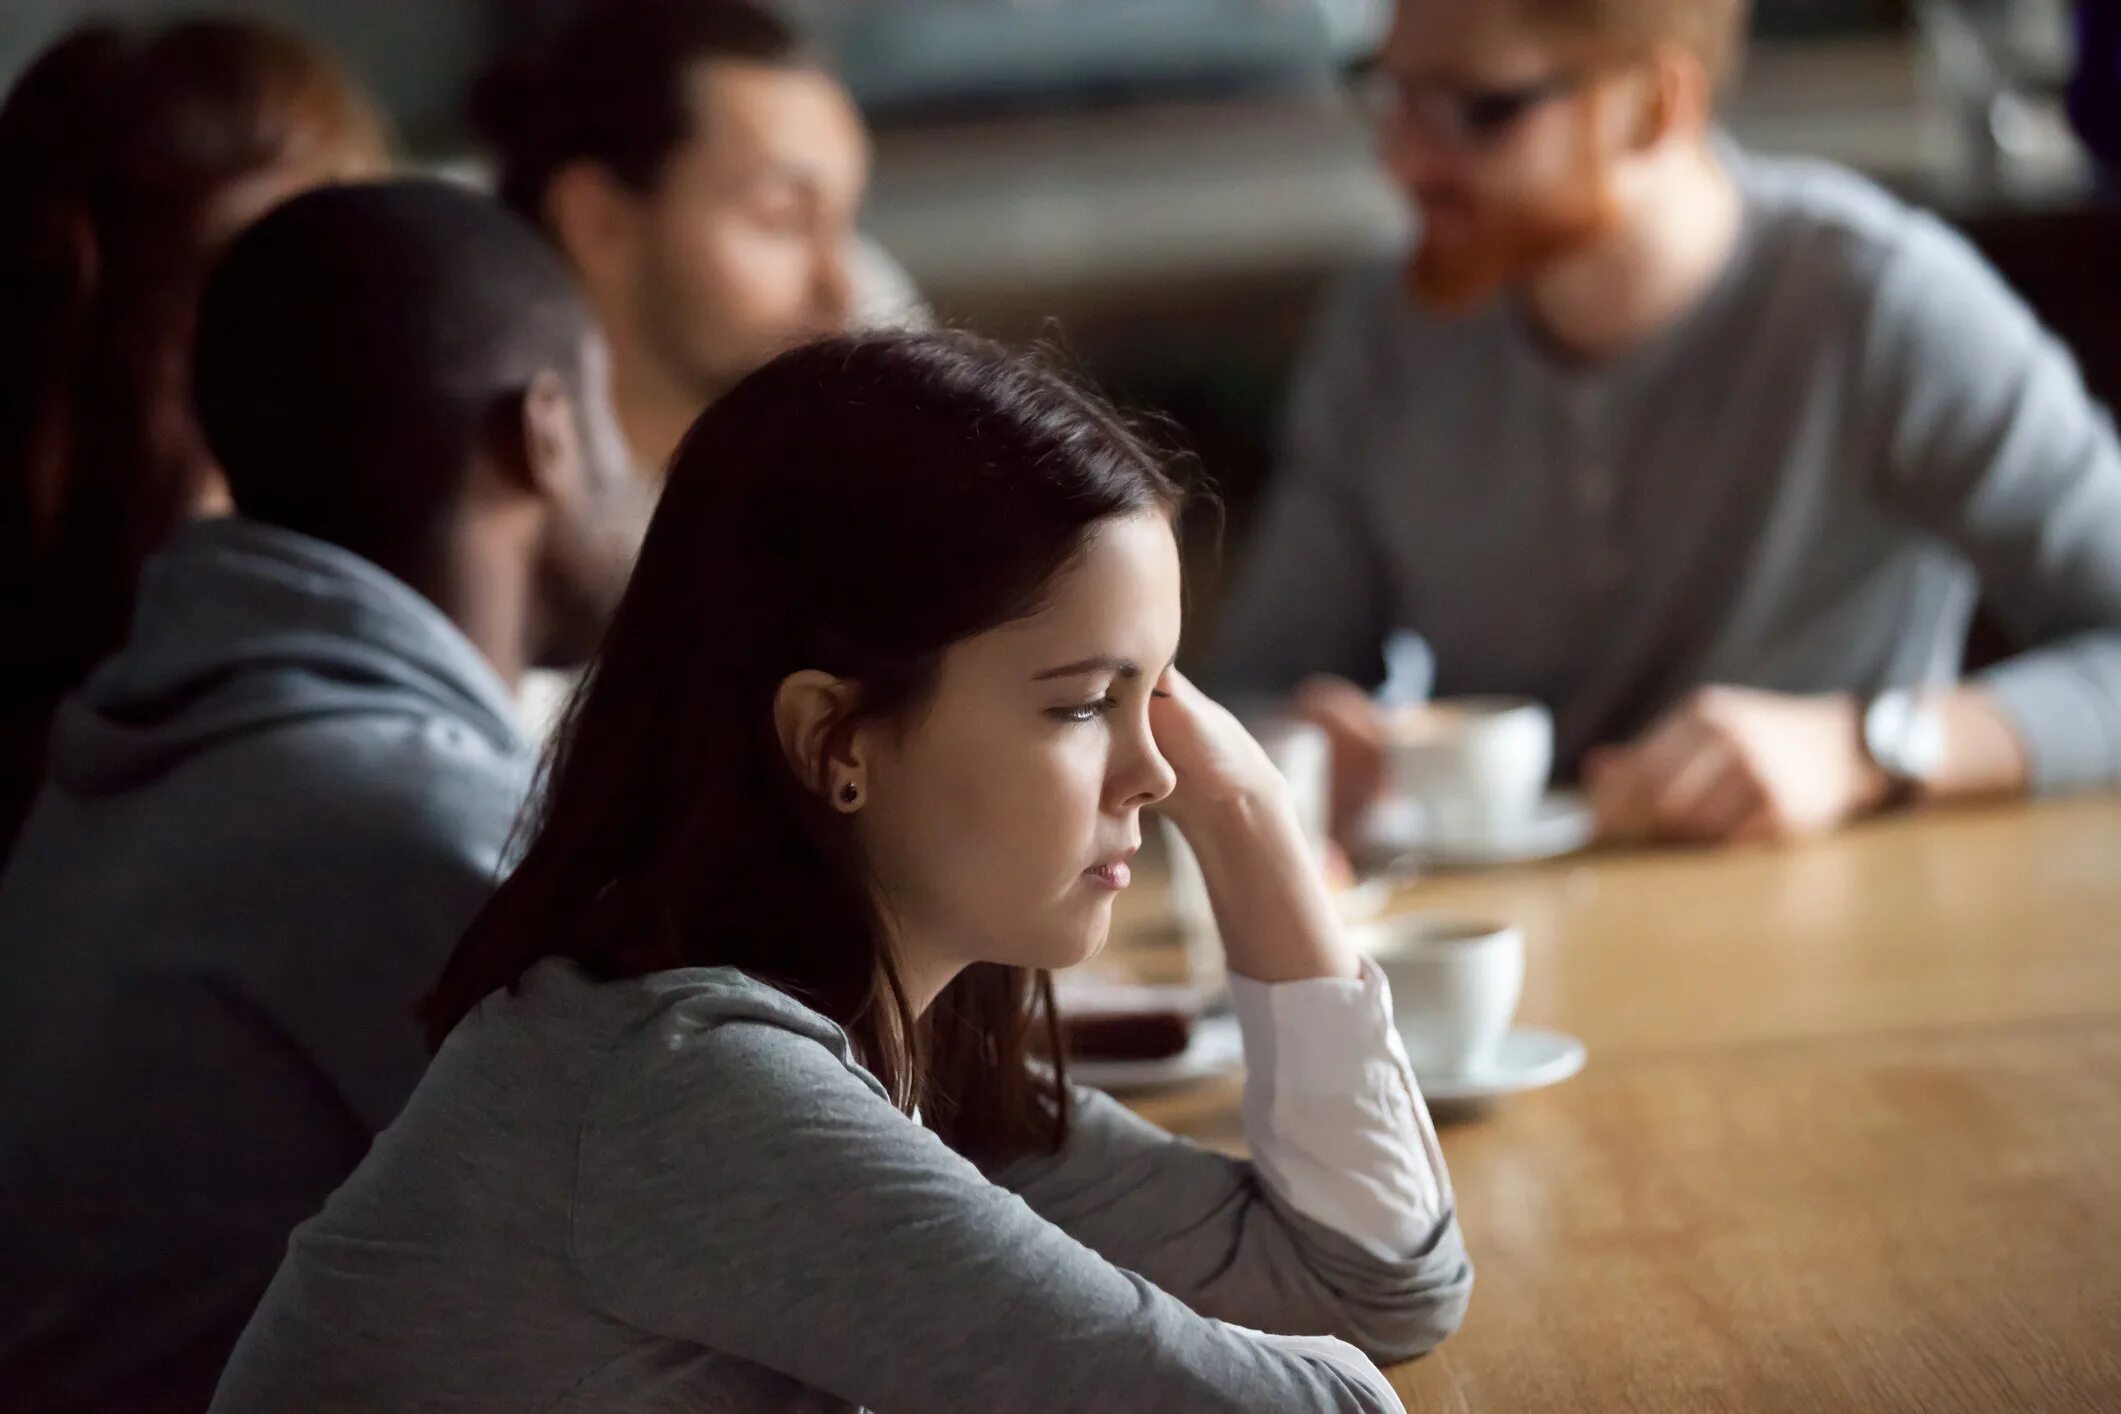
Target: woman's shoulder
<point>691,1031</point>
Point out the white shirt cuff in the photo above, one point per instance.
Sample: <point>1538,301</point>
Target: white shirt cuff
<point>1332,1114</point>
<point>1330,1350</point>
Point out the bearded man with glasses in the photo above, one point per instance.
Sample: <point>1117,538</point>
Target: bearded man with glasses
<point>1710,452</point>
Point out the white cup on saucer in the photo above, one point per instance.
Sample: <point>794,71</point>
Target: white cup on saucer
<point>1477,767</point>
<point>1455,986</point>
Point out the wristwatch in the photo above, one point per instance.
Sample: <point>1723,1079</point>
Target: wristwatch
<point>1903,733</point>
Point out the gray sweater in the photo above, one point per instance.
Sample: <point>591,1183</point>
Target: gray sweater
<point>683,1193</point>
<point>1802,487</point>
<point>268,820</point>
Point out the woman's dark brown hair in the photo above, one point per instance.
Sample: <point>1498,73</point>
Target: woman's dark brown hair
<point>120,158</point>
<point>856,506</point>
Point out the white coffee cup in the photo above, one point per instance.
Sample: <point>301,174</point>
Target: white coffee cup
<point>1477,766</point>
<point>1455,984</point>
<point>1303,754</point>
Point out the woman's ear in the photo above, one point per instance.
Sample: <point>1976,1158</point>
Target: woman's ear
<point>809,712</point>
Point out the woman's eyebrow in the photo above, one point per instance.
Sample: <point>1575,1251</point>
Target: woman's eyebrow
<point>1125,668</point>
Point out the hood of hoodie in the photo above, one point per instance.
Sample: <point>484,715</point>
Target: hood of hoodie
<point>243,628</point>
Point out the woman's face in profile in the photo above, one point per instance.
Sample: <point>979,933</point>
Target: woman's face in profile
<point>999,821</point>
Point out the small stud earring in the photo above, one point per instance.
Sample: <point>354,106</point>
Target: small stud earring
<point>850,793</point>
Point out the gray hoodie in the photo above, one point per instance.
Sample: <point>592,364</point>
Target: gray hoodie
<point>268,818</point>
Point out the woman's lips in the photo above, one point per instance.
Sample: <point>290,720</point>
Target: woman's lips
<point>1114,876</point>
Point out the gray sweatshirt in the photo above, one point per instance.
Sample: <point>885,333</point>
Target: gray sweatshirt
<point>683,1193</point>
<point>268,819</point>
<point>1802,486</point>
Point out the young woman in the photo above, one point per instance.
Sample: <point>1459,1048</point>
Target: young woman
<point>127,161</point>
<point>735,1109</point>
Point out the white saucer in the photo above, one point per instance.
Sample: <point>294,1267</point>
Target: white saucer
<point>1561,824</point>
<point>1528,1059</point>
<point>1215,1049</point>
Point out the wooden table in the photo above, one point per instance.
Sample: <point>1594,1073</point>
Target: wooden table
<point>1849,1139</point>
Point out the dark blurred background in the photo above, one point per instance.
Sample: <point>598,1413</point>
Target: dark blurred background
<point>1162,185</point>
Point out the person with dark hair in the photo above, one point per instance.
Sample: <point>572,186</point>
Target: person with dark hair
<point>270,815</point>
<point>127,159</point>
<point>735,1105</point>
<point>702,172</point>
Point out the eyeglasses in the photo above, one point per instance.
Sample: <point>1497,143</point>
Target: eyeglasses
<point>1453,114</point>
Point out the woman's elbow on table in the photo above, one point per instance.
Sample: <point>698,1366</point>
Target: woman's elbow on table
<point>1421,1305</point>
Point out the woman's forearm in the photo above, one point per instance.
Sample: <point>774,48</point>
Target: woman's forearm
<point>1277,920</point>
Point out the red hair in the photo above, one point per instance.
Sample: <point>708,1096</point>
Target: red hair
<point>1712,30</point>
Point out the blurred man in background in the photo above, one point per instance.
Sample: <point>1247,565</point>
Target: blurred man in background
<point>1711,453</point>
<point>702,172</point>
<point>270,815</point>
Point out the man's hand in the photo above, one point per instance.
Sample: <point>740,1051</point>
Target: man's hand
<point>1732,764</point>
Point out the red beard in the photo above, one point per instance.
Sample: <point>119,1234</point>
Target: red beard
<point>1496,244</point>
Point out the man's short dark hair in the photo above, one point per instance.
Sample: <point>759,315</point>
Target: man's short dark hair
<point>610,86</point>
<point>355,345</point>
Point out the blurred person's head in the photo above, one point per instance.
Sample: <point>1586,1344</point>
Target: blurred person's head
<point>893,635</point>
<point>702,171</point>
<point>406,371</point>
<point>1528,131</point>
<point>127,159</point>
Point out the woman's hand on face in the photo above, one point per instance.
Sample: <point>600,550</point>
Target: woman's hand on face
<point>1276,919</point>
<point>1221,770</point>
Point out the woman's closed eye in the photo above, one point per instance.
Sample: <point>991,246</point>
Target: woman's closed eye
<point>1090,711</point>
